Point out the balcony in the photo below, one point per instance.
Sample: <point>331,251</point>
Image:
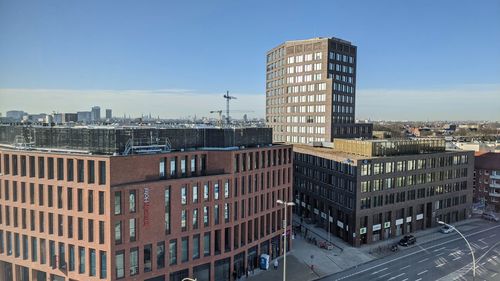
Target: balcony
<point>495,184</point>
<point>495,175</point>
<point>495,194</point>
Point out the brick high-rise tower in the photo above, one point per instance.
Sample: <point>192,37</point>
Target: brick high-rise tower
<point>311,91</point>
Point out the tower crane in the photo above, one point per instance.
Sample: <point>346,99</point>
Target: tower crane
<point>228,98</point>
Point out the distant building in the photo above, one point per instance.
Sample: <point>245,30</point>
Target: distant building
<point>69,117</point>
<point>481,147</point>
<point>84,116</point>
<point>109,114</point>
<point>58,118</point>
<point>487,180</point>
<point>96,114</point>
<point>17,115</point>
<point>311,91</point>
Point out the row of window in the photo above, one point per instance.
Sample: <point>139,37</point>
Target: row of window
<point>66,198</point>
<point>53,224</point>
<point>300,139</point>
<point>410,165</point>
<point>190,248</point>
<point>53,168</point>
<point>400,197</point>
<point>248,161</point>
<point>318,130</point>
<point>406,181</point>
<point>306,88</point>
<point>65,257</point>
<point>306,109</point>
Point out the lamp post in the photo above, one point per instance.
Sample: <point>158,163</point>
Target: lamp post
<point>470,248</point>
<point>285,205</point>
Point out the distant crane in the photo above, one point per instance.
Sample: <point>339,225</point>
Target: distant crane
<point>228,98</point>
<point>219,112</point>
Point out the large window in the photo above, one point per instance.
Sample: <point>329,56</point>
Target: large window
<point>185,249</point>
<point>196,246</point>
<point>160,255</point>
<point>147,258</point>
<point>173,251</point>
<point>195,194</point>
<point>92,262</point>
<point>81,255</point>
<point>134,261</point>
<point>167,210</point>
<point>183,195</point>
<point>103,266</point>
<point>206,221</point>
<point>132,201</point>
<point>132,230</point>
<point>118,203</point>
<point>120,263</point>
<point>195,218</point>
<point>216,191</point>
<point>206,192</point>
<point>118,232</point>
<point>206,244</point>
<point>90,171</point>
<point>102,172</point>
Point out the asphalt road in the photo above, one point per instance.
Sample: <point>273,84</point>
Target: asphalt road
<point>448,258</point>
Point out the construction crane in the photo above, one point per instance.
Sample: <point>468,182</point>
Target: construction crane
<point>228,98</point>
<point>219,121</point>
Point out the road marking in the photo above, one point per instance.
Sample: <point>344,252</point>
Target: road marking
<point>423,260</point>
<point>492,235</point>
<point>392,278</point>
<point>457,258</point>
<point>437,250</point>
<point>440,254</point>
<point>416,252</point>
<point>423,272</point>
<point>384,275</point>
<point>404,267</point>
<point>404,279</point>
<point>378,271</point>
<point>418,279</point>
<point>494,274</point>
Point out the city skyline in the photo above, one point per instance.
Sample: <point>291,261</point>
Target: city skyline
<point>133,51</point>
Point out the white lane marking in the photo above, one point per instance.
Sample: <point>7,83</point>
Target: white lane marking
<point>422,272</point>
<point>423,260</point>
<point>440,254</point>
<point>416,252</point>
<point>384,275</point>
<point>437,250</point>
<point>492,235</point>
<point>418,279</point>
<point>404,279</point>
<point>457,258</point>
<point>404,267</point>
<point>494,274</point>
<point>394,277</point>
<point>378,271</point>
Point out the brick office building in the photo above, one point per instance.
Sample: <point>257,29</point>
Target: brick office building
<point>365,191</point>
<point>487,180</point>
<point>311,91</point>
<point>176,211</point>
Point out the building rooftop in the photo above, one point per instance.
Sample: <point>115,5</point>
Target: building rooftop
<point>130,140</point>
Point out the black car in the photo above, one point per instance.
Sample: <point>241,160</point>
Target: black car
<point>407,240</point>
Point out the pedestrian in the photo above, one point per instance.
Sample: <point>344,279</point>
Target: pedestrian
<point>276,264</point>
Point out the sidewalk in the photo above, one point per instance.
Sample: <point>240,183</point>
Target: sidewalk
<point>307,262</point>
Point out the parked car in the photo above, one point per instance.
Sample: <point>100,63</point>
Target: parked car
<point>446,229</point>
<point>490,217</point>
<point>407,240</point>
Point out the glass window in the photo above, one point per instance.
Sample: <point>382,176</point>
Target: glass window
<point>103,267</point>
<point>162,168</point>
<point>195,194</point>
<point>102,172</point>
<point>205,216</point>
<point>81,255</point>
<point>119,260</point>
<point>92,262</point>
<point>173,251</point>
<point>206,191</point>
<point>147,257</point>
<point>196,246</point>
<point>132,229</point>
<point>226,189</point>
<point>183,195</point>
<point>167,210</point>
<point>134,261</point>
<point>131,201</point>
<point>160,255</point>
<point>185,249</point>
<point>118,232</point>
<point>195,218</point>
<point>216,191</point>
<point>118,203</point>
<point>206,244</point>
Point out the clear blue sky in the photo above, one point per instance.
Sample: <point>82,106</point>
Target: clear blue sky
<point>210,46</point>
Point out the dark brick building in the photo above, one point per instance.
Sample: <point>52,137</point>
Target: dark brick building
<point>365,191</point>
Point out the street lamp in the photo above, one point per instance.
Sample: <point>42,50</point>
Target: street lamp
<point>285,204</point>
<point>470,248</point>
